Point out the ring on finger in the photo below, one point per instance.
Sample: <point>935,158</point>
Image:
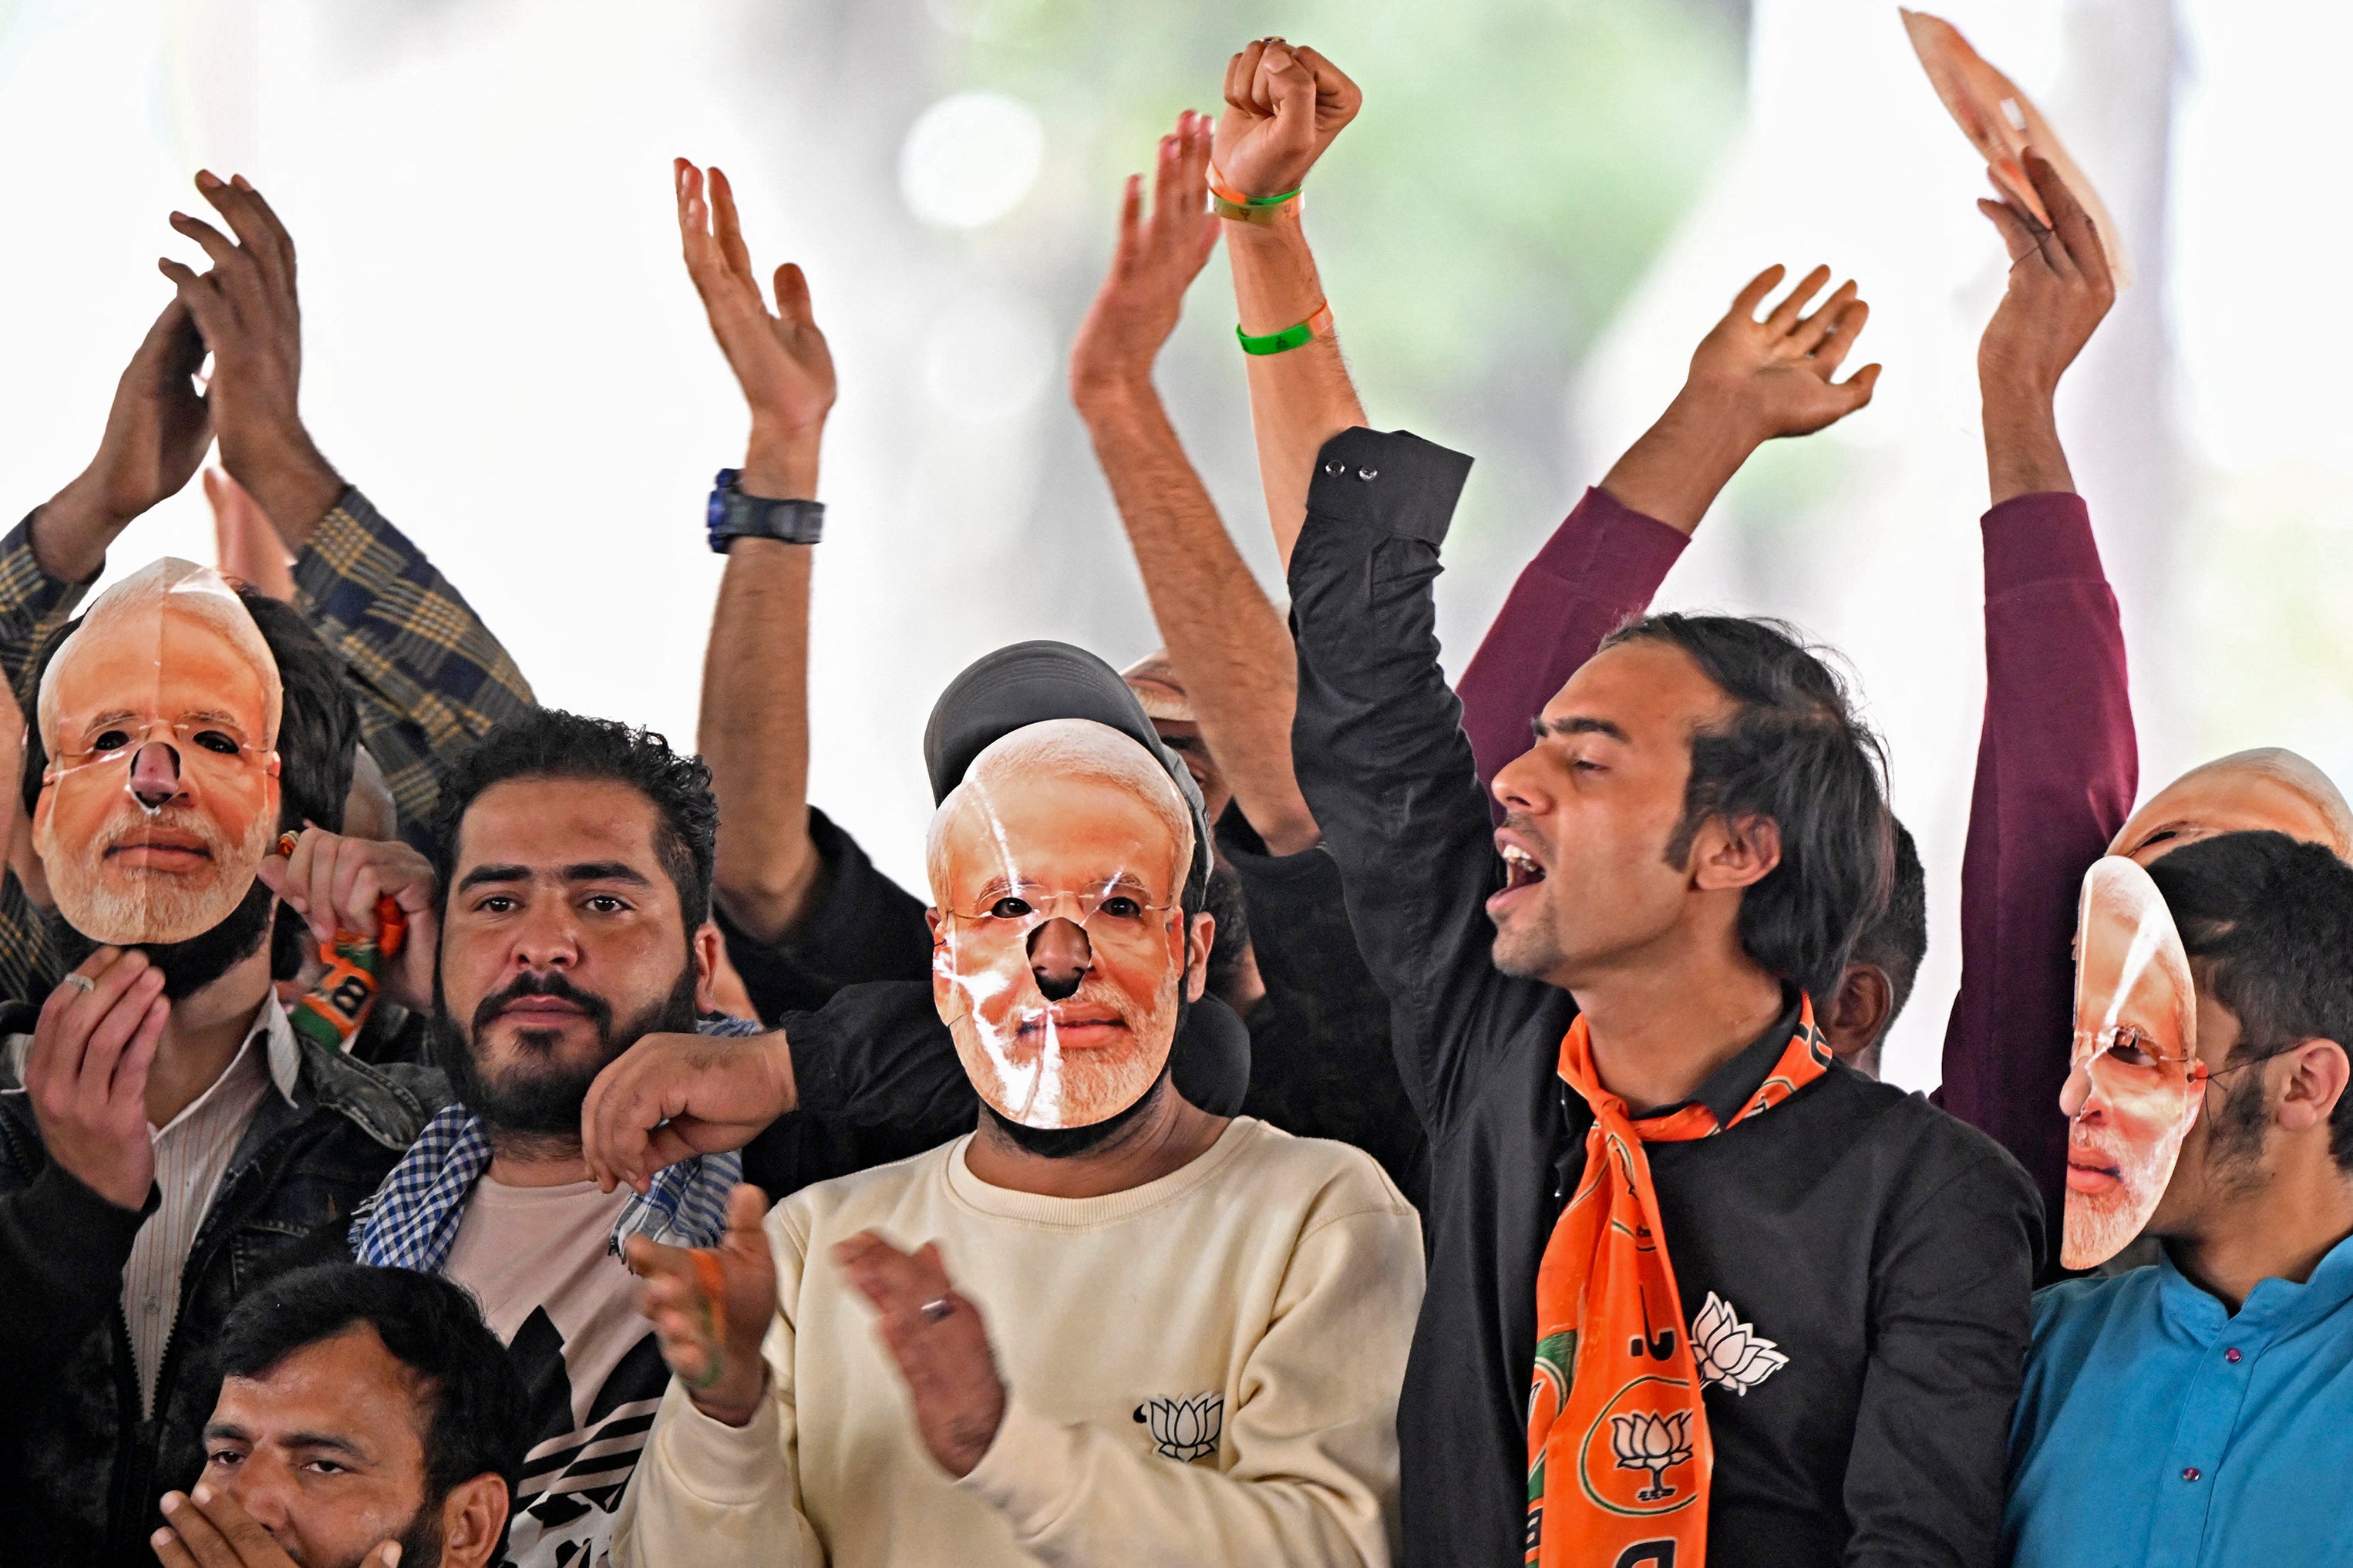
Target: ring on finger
<point>82,983</point>
<point>937,1309</point>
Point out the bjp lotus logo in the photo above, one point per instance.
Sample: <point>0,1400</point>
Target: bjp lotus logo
<point>1640,1435</point>
<point>1644,1441</point>
<point>1729,1351</point>
<point>1185,1429</point>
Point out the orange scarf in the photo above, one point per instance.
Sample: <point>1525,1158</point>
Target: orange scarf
<point>1619,1456</point>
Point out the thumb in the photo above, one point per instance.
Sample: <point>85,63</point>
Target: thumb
<point>272,872</point>
<point>747,1213</point>
<point>1858,386</point>
<point>792,289</point>
<point>385,1556</point>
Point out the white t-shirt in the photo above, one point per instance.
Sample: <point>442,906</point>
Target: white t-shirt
<point>539,1259</point>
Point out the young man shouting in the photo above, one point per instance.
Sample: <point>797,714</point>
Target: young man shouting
<point>1696,1290</point>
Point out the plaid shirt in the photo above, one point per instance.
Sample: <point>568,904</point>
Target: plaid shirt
<point>412,1220</point>
<point>429,678</point>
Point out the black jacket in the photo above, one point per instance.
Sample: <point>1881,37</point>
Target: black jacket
<point>1887,1248</point>
<point>80,1468</point>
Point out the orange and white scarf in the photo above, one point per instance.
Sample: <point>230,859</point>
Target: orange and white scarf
<point>1619,1456</point>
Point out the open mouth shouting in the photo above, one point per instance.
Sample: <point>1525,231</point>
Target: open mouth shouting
<point>1521,871</point>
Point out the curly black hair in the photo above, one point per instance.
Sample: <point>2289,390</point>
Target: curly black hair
<point>550,744</point>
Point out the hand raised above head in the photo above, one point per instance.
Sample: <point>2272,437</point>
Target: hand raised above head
<point>2060,288</point>
<point>251,317</point>
<point>781,361</point>
<point>1156,260</point>
<point>711,1308</point>
<point>87,1073</point>
<point>1284,106</point>
<point>1774,377</point>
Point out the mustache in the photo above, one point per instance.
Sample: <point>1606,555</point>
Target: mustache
<point>1031,1013</point>
<point>551,983</point>
<point>129,816</point>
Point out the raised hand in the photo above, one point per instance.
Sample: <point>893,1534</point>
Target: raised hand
<point>335,882</point>
<point>781,361</point>
<point>1156,261</point>
<point>251,319</point>
<point>1774,377</point>
<point>710,1309</point>
<point>940,1343</point>
<point>156,432</point>
<point>208,1528</point>
<point>87,1072</point>
<point>1284,106</point>
<point>2060,288</point>
<point>671,1097</point>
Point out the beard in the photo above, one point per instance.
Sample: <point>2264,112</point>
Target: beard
<point>123,906</point>
<point>1069,1143</point>
<point>1230,944</point>
<point>191,966</point>
<point>542,1096</point>
<point>1029,1079</point>
<point>2099,1226</point>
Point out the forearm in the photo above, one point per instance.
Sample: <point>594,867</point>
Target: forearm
<point>1676,468</point>
<point>294,486</point>
<point>72,532</point>
<point>1223,634</point>
<point>1300,398</point>
<point>712,1494</point>
<point>2023,455</point>
<point>62,1249</point>
<point>753,732</point>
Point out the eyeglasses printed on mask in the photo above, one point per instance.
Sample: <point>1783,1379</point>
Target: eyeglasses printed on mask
<point>204,744</point>
<point>2129,1055</point>
<point>1117,912</point>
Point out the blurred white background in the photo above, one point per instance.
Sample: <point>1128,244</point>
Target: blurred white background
<point>1545,203</point>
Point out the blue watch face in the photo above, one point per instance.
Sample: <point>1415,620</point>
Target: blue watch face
<point>715,513</point>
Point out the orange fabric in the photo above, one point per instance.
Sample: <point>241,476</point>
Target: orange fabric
<point>1619,1456</point>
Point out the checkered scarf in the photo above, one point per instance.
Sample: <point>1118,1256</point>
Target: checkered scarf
<point>412,1220</point>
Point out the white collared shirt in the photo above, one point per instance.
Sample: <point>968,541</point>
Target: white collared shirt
<point>191,1156</point>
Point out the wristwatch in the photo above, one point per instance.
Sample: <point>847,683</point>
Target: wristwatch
<point>733,515</point>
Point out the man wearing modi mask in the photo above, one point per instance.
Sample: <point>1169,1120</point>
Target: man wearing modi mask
<point>2199,1409</point>
<point>166,1140</point>
<point>1106,1325</point>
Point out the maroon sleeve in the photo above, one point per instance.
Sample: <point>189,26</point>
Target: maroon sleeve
<point>1599,568</point>
<point>2057,769</point>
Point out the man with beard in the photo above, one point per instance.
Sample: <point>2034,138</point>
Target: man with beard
<point>566,910</point>
<point>1126,1329</point>
<point>166,1139</point>
<point>2199,1411</point>
<point>367,1420</point>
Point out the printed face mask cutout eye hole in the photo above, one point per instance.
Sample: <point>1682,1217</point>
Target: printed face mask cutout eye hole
<point>2135,1063</point>
<point>1057,868</point>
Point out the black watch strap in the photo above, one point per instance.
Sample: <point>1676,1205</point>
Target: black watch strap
<point>733,515</point>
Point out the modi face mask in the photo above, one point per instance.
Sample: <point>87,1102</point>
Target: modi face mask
<point>2135,1061</point>
<point>1058,951</point>
<point>160,719</point>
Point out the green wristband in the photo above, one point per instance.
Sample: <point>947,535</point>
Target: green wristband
<point>1290,337</point>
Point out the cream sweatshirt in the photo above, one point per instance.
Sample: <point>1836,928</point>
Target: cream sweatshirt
<point>1202,1370</point>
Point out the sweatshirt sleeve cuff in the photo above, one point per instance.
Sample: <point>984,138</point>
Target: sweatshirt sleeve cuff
<point>723,1464</point>
<point>1604,540</point>
<point>2041,538</point>
<point>1030,1472</point>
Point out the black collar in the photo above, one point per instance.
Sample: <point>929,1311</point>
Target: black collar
<point>1730,1087</point>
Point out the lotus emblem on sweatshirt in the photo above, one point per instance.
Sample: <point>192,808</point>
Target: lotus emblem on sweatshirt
<point>1185,1429</point>
<point>1656,1443</point>
<point>1729,1351</point>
